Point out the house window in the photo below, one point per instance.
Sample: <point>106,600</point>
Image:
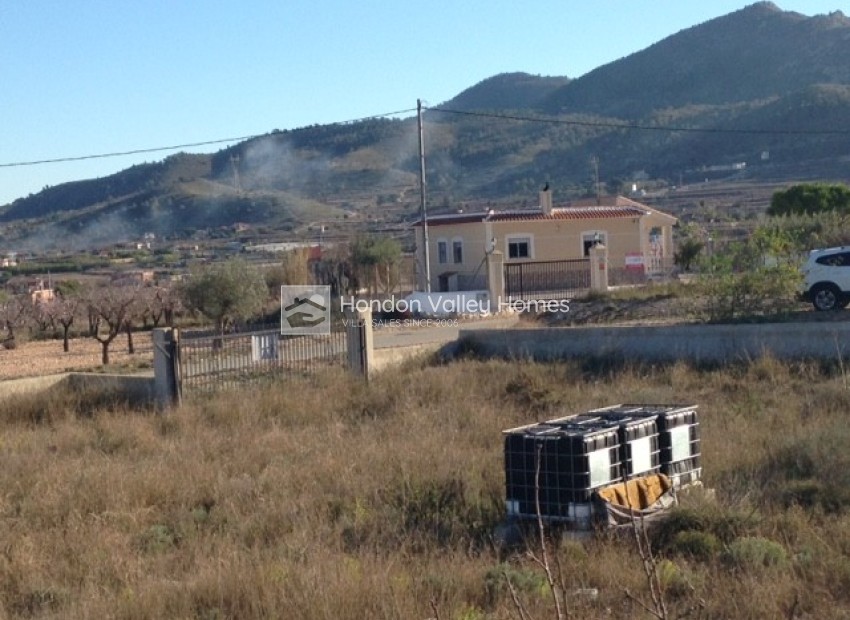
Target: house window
<point>457,250</point>
<point>519,247</point>
<point>442,251</point>
<point>590,238</point>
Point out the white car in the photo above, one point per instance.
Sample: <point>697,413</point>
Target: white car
<point>826,278</point>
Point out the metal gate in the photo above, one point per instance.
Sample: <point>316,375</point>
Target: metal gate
<point>210,362</point>
<point>555,279</point>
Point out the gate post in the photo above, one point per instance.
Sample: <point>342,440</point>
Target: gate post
<point>359,335</point>
<point>598,267</point>
<point>496,279</point>
<point>166,367</point>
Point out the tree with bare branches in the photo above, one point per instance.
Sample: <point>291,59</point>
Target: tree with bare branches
<point>14,313</point>
<point>161,303</point>
<point>62,310</point>
<point>111,307</point>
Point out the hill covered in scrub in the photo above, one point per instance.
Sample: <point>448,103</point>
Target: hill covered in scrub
<point>758,94</point>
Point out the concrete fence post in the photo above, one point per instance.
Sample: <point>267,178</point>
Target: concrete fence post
<point>496,279</point>
<point>598,268</point>
<point>166,367</point>
<point>360,347</point>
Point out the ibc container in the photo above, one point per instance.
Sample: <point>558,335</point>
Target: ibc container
<point>639,444</point>
<point>574,460</point>
<point>575,420</point>
<point>678,431</point>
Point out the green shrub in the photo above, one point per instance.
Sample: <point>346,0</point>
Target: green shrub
<point>755,552</point>
<point>723,527</point>
<point>444,511</point>
<point>815,494</point>
<point>672,578</point>
<point>524,581</point>
<point>158,538</point>
<point>753,278</point>
<point>698,545</point>
<point>812,471</point>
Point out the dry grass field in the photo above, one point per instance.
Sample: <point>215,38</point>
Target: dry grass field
<point>326,498</point>
<point>46,357</point>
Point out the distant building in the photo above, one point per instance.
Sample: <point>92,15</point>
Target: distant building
<point>39,293</point>
<point>135,276</point>
<point>314,250</point>
<point>639,238</point>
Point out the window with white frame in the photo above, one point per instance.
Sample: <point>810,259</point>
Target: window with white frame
<point>589,238</point>
<point>519,246</point>
<point>442,251</point>
<point>457,250</point>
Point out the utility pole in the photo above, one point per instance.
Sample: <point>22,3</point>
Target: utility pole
<point>234,162</point>
<point>595,161</point>
<point>422,209</point>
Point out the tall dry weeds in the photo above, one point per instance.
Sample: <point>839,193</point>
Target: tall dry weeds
<point>327,498</point>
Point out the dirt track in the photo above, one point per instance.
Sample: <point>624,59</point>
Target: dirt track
<point>46,357</point>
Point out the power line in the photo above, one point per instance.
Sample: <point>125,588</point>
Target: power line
<point>123,153</point>
<point>638,126</point>
<point>175,147</point>
<point>490,115</point>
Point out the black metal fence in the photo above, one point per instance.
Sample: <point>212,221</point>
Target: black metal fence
<point>212,362</point>
<point>556,279</point>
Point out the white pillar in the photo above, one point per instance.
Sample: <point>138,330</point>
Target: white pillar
<point>598,267</point>
<point>496,279</point>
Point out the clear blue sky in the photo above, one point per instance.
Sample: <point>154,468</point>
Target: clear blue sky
<point>99,76</point>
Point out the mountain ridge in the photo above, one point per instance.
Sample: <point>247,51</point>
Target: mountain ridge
<point>758,85</point>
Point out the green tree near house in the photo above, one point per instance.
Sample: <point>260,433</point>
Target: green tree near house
<point>293,269</point>
<point>226,292</point>
<point>818,230</point>
<point>376,260</point>
<point>810,198</point>
<point>689,246</point>
<point>753,278</point>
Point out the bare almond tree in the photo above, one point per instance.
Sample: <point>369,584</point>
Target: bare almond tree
<point>112,308</point>
<point>14,313</point>
<point>42,316</point>
<point>167,303</point>
<point>63,310</point>
<point>157,303</point>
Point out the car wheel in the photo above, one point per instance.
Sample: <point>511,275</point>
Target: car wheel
<point>826,297</point>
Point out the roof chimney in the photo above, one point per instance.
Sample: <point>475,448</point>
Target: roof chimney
<point>546,200</point>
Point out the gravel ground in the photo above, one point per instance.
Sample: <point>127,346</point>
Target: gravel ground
<point>45,357</point>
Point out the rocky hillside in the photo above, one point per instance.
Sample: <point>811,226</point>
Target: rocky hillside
<point>759,86</point>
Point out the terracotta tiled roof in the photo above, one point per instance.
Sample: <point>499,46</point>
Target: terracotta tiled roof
<point>569,213</point>
<point>620,201</point>
<point>526,215</point>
